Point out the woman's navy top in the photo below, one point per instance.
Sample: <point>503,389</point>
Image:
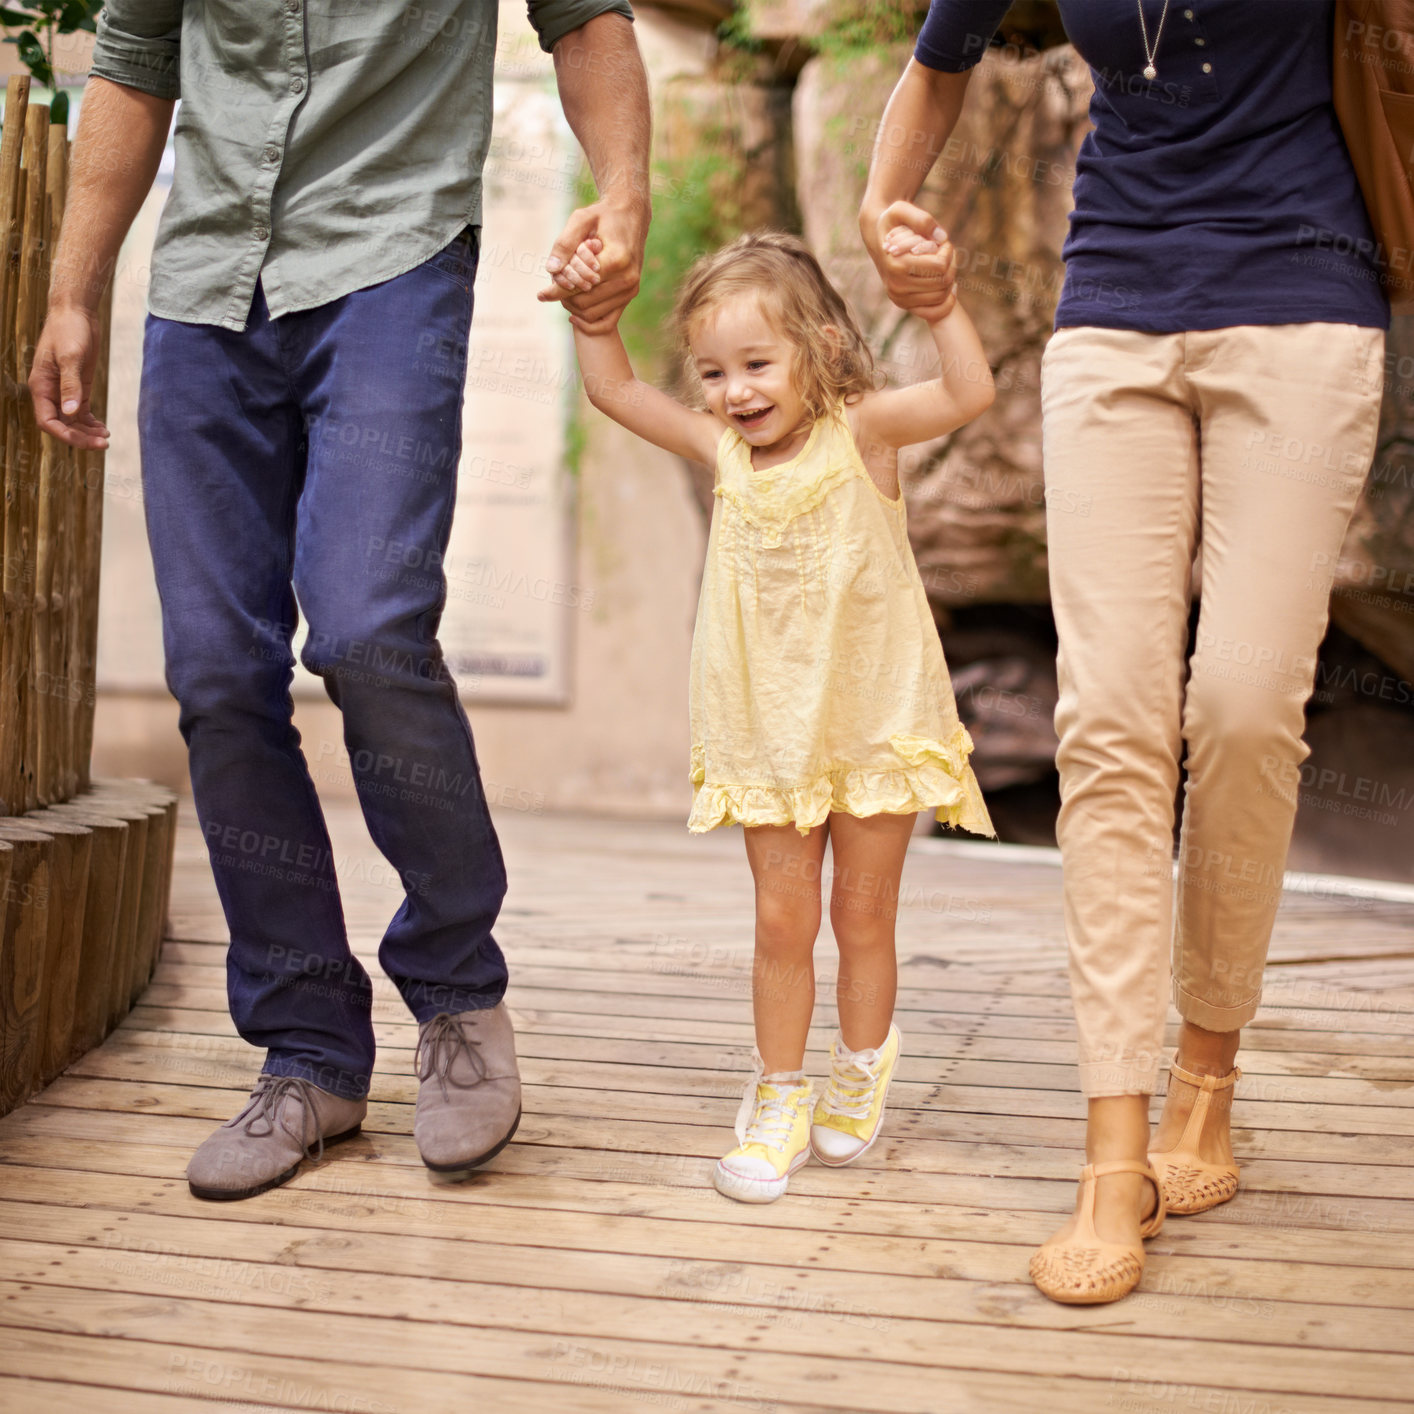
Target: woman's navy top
<point>1218,193</point>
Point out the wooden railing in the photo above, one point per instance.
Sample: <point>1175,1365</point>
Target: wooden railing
<point>85,866</point>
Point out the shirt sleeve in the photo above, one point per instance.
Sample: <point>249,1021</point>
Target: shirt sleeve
<point>554,19</point>
<point>139,44</point>
<point>956,33</point>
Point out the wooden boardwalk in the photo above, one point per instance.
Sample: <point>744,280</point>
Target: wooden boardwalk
<point>593,1268</point>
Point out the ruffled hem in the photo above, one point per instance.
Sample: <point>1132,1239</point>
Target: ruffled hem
<point>935,777</point>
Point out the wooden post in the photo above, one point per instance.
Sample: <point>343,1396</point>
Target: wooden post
<point>85,663</point>
<point>101,921</point>
<point>32,297</point>
<point>138,796</point>
<point>13,593</point>
<point>52,686</point>
<point>7,851</point>
<point>123,963</point>
<point>53,524</point>
<point>22,962</point>
<point>69,855</point>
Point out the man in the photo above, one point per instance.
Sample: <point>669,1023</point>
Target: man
<point>303,373</point>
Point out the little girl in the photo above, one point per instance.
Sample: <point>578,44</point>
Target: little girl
<point>820,702</point>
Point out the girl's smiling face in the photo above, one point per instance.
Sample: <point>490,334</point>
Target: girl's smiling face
<point>745,367</point>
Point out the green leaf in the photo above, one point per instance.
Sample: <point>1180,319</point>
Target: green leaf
<point>34,58</point>
<point>59,108</point>
<point>15,17</point>
<point>78,14</point>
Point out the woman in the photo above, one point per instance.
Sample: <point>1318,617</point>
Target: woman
<point>1215,375</point>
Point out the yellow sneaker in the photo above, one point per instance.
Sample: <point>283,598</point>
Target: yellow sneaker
<point>850,1112</point>
<point>773,1125</point>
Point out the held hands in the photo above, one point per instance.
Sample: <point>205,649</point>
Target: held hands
<point>596,262</point>
<point>915,260</point>
<point>61,377</point>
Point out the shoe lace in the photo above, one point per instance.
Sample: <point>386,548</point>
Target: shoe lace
<point>850,1092</point>
<point>266,1111</point>
<point>442,1041</point>
<point>771,1122</point>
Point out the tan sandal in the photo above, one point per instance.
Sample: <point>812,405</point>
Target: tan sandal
<point>1085,1270</point>
<point>1190,1183</point>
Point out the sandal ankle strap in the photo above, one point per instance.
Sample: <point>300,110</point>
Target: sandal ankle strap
<point>1139,1166</point>
<point>1205,1082</point>
<point>1151,1225</point>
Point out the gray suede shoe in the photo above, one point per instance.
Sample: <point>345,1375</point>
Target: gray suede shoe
<point>468,1104</point>
<point>262,1146</point>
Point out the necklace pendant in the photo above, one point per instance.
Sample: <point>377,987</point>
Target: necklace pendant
<point>1150,72</point>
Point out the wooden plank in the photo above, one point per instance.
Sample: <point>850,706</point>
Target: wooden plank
<point>224,1258</point>
<point>905,1381</point>
<point>210,1379</point>
<point>691,1226</point>
<point>666,1187</point>
<point>942,1045</point>
<point>965,1067</point>
<point>221,1063</point>
<point>42,1395</point>
<point>688,1308</point>
<point>937,1126</point>
<point>905,1165</point>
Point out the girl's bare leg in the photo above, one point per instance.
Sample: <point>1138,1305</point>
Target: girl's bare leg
<point>786,867</point>
<point>868,859</point>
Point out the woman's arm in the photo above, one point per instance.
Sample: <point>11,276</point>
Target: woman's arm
<point>919,119</point>
<point>899,417</point>
<point>646,411</point>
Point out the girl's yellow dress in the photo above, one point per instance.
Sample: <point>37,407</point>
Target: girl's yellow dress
<point>818,681</point>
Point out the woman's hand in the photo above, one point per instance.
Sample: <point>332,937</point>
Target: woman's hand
<point>915,260</point>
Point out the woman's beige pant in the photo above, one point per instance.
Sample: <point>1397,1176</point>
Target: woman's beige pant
<point>1256,440</point>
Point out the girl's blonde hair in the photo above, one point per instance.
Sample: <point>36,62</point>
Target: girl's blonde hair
<point>799,300</point>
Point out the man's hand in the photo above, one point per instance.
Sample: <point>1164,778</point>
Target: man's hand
<point>596,263</point>
<point>915,259</point>
<point>61,378</point>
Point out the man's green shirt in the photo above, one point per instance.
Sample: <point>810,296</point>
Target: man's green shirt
<point>321,145</point>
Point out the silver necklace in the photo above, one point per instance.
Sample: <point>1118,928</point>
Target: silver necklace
<point>1150,72</point>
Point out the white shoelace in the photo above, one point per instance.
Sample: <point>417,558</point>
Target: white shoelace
<point>843,1097</point>
<point>771,1124</point>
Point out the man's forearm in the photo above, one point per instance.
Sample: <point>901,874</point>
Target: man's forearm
<point>918,121</point>
<point>604,91</point>
<point>117,150</point>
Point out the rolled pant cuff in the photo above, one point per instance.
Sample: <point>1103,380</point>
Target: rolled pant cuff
<point>346,1084</point>
<point>1214,1018</point>
<point>1100,1080</point>
<point>426,1001</point>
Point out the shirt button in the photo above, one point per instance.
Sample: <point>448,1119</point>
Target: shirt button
<point>1188,14</point>
<point>292,6</point>
<point>261,233</point>
<point>1207,68</point>
<point>1200,42</point>
<point>272,154</point>
<point>296,84</point>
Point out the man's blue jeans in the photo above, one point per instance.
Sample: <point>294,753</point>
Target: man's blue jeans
<point>287,459</point>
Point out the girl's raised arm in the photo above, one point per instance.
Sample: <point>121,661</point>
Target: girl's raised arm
<point>646,411</point>
<point>899,417</point>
